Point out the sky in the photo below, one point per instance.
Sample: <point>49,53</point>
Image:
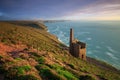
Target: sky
<point>60,9</point>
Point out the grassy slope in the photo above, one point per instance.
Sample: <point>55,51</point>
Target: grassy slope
<point>43,56</point>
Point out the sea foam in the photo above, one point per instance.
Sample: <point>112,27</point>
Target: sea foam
<point>111,55</point>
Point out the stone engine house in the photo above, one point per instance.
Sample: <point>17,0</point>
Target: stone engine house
<point>77,48</point>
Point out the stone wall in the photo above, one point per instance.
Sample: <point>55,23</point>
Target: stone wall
<point>82,53</point>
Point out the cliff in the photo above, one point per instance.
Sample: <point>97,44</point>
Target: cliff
<point>29,52</point>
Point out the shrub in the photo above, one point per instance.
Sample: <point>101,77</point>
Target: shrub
<point>86,77</point>
<point>41,60</point>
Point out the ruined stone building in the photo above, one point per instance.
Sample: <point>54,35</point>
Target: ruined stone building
<point>77,48</point>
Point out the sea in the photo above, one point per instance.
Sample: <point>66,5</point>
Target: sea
<point>102,37</point>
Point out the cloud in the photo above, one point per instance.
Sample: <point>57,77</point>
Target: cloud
<point>61,9</point>
<point>104,9</point>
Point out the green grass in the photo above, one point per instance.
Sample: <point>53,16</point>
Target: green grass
<point>86,67</point>
<point>48,73</point>
<point>18,59</point>
<point>37,38</point>
<point>31,37</point>
<point>17,73</point>
<point>19,70</point>
<point>63,72</point>
<point>71,65</point>
<point>41,60</point>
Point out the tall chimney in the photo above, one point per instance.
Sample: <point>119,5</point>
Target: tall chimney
<point>71,40</point>
<point>71,35</point>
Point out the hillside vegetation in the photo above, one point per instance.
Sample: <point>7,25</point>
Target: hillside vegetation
<point>29,52</point>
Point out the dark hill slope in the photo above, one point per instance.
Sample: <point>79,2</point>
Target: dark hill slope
<point>34,24</point>
<point>28,52</point>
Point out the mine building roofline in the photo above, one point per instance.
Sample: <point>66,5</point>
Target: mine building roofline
<point>82,44</point>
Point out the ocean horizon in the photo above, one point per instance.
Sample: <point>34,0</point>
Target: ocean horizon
<point>102,37</point>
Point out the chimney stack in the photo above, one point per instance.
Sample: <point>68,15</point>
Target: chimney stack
<point>71,39</point>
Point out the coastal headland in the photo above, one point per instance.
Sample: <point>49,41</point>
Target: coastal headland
<point>29,52</point>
